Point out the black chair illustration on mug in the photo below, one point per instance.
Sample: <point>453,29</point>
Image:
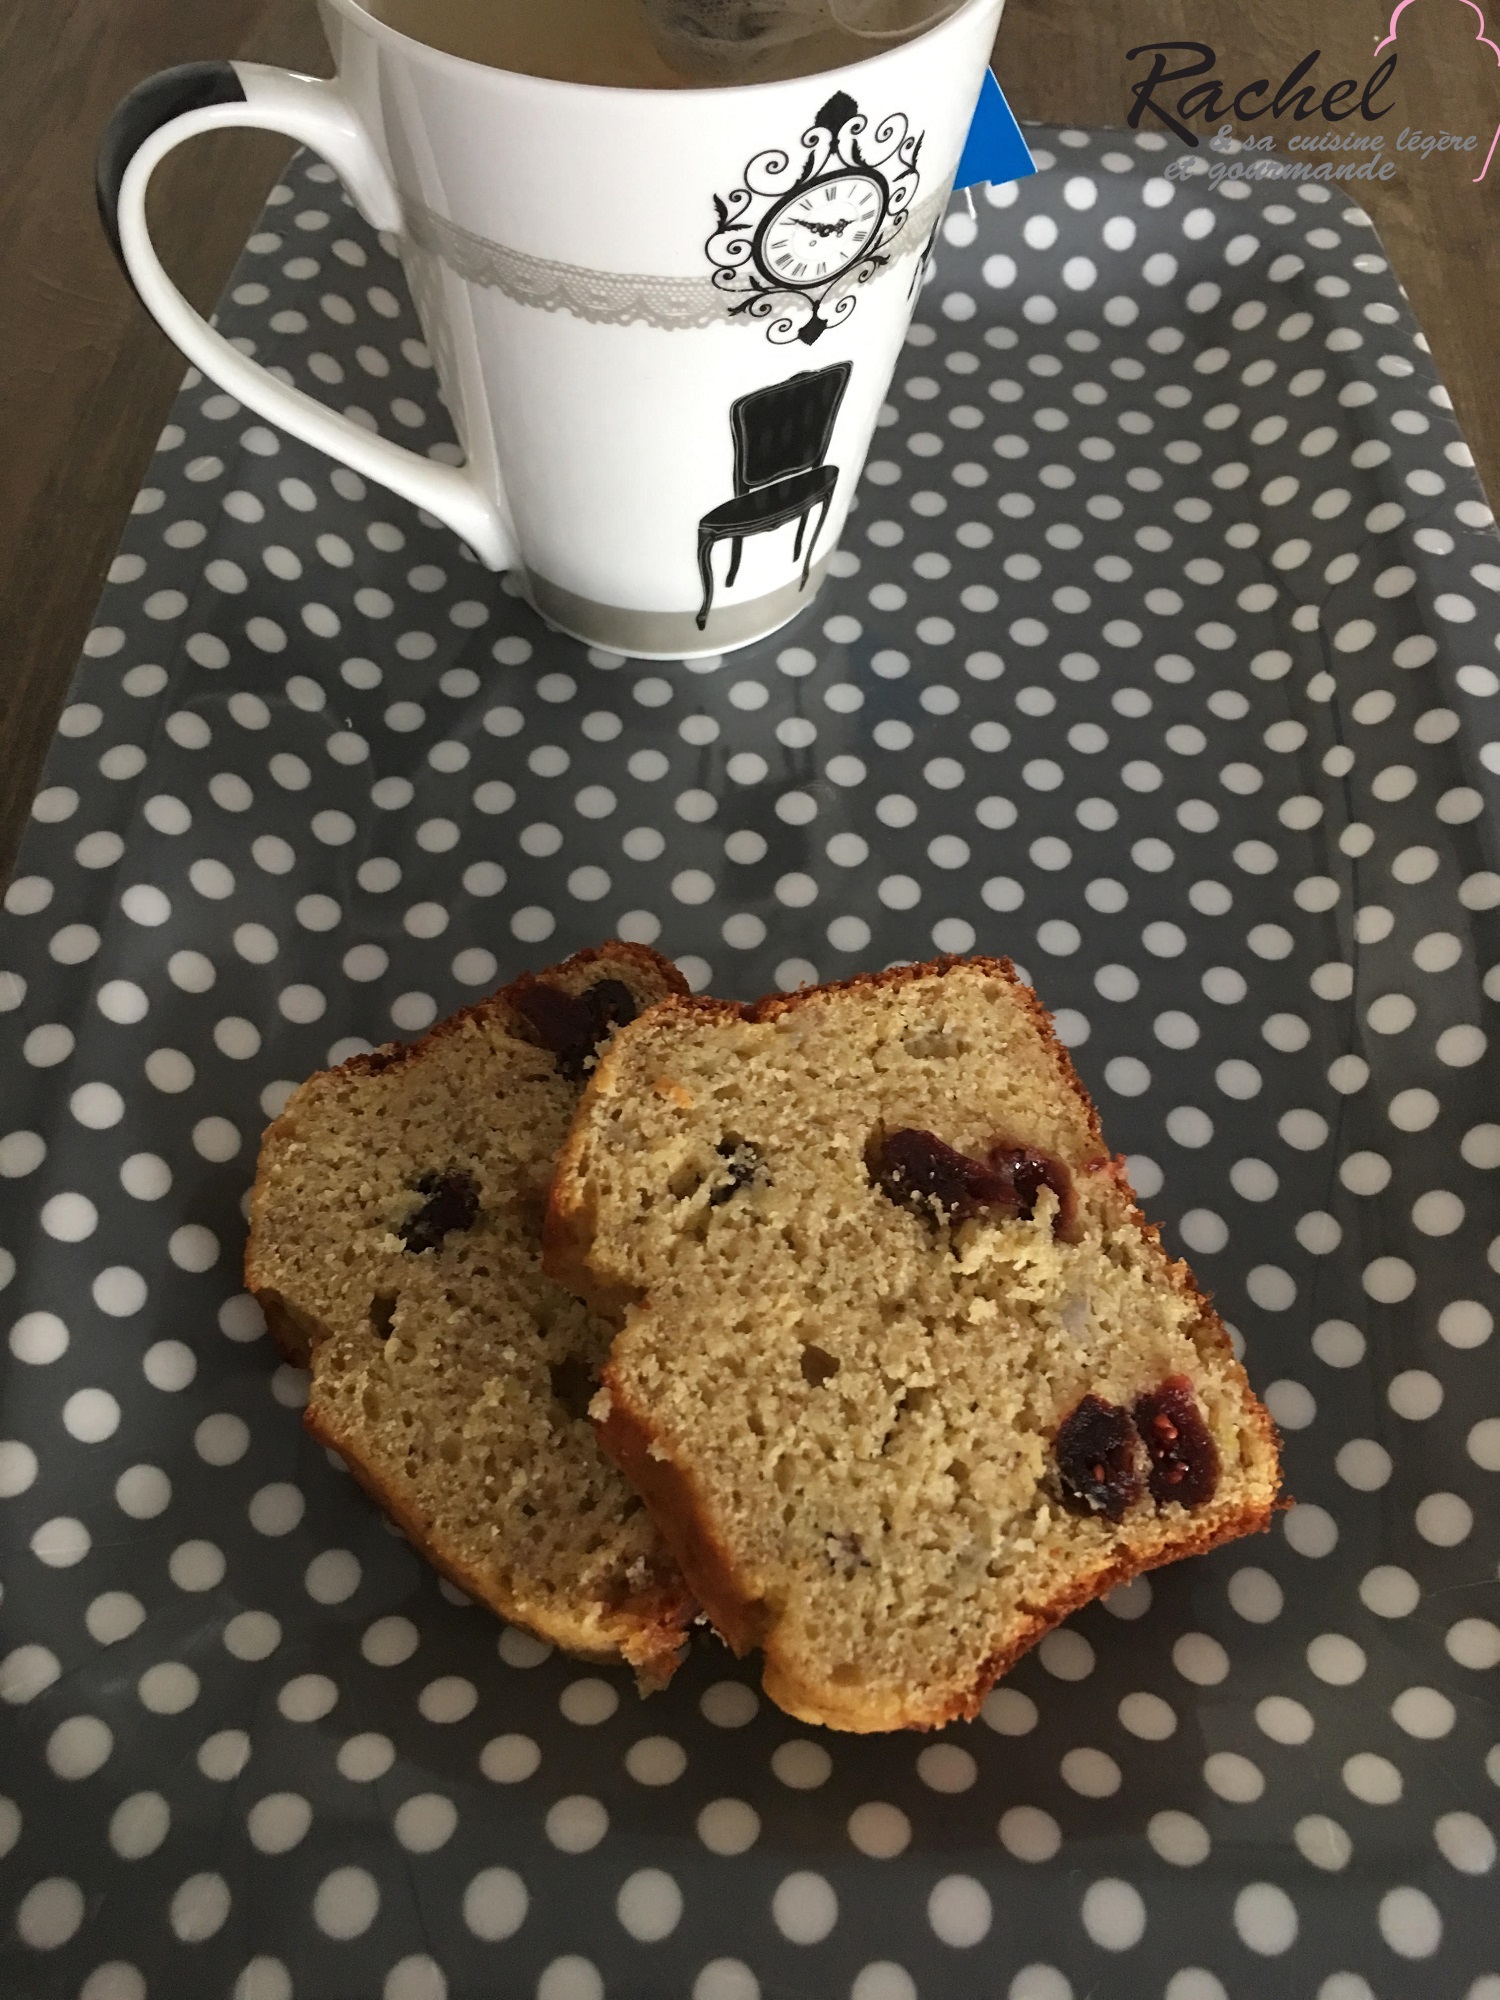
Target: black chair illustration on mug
<point>781,435</point>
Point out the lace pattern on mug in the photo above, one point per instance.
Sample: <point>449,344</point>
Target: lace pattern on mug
<point>605,298</point>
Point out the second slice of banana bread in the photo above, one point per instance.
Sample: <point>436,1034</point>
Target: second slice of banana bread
<point>395,1248</point>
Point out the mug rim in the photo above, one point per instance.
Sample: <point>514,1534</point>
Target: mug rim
<point>382,31</point>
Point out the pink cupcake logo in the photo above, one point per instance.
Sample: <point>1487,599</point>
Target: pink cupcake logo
<point>1482,40</point>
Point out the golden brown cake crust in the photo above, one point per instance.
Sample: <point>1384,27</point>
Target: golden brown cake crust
<point>669,1481</point>
<point>745,1623</point>
<point>644,1625</point>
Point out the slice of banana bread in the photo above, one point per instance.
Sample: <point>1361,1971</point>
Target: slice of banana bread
<point>395,1248</point>
<point>902,1372</point>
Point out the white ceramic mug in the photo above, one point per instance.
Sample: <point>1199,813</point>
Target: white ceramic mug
<point>663,321</point>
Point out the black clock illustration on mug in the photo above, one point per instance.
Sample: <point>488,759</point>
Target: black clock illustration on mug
<point>816,233</point>
<point>804,231</point>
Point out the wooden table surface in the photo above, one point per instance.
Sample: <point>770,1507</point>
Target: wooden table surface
<point>86,379</point>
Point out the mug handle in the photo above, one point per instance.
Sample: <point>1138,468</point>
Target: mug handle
<point>176,104</point>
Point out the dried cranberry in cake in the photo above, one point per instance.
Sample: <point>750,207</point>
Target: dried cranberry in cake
<point>1027,1172</point>
<point>1184,1457</point>
<point>1098,1459</point>
<point>919,1170</point>
<point>572,1025</point>
<point>452,1203</point>
<point>611,1003</point>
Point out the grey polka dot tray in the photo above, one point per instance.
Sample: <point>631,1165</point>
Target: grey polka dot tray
<point>1161,656</point>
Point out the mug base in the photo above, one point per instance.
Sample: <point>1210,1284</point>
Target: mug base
<point>671,635</point>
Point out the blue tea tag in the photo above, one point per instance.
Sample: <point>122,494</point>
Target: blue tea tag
<point>994,150</point>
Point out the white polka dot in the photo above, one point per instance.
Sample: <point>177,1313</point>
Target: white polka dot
<point>879,1830</point>
<point>728,1826</point>
<point>1265,1918</point>
<point>959,1911</point>
<point>91,1415</point>
<point>1483,1444</point>
<point>222,1439</point>
<point>97,1106</point>
<point>276,1509</point>
<point>729,1704</point>
<point>1284,1720</point>
<point>1444,1519</point>
<point>415,1977</point>
<point>516,1648</point>
<point>18,1467</point>
<point>145,905</point>
<point>1389,1280</point>
<point>1255,1595</point>
<point>113,1616</point>
<point>1178,1838</point>
<point>1475,1643</point>
<point>576,1824</point>
<point>1009,1712</point>
<point>1323,1842</point>
<point>145,1175</point>
<point>1410,1923</point>
<point>168,1688</point>
<point>801,1765</point>
<point>1093,1774</point>
<point>364,1758</point>
<point>495,1904</point>
<point>588,1702</point>
<point>222,1756</point>
<point>252,1635</point>
<point>346,1903</point>
<point>1372,1779</point>
<point>69,1218</point>
<point>63,1541</point>
<point>278,1822</point>
<point>1389,1591</point>
<point>38,1338</point>
<point>332,1577</point>
<point>26,1672</point>
<point>1465,1323</point>
<point>1029,1834</point>
<point>199,1908</point>
<point>1465,1843</point>
<point>79,1747</point>
<point>1311,1530</point>
<point>1364,1465</point>
<point>1194,1983</point>
<point>1335,1659</point>
<point>882,1979</point>
<point>649,1905</point>
<point>656,1760</point>
<point>196,1565</point>
<point>119,1291</point>
<point>943,1767</point>
<point>49,1913</point>
<point>1200,1658</point>
<point>1113,1914</point>
<point>1270,1287</point>
<point>570,1978</point>
<point>448,1699</point>
<point>425,1822</point>
<point>1039,1982</point>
